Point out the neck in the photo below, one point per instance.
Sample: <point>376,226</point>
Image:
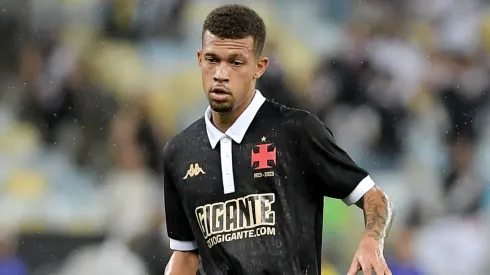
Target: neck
<point>223,121</point>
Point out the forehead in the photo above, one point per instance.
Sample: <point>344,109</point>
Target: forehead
<point>215,44</point>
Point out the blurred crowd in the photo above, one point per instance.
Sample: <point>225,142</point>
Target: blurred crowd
<point>90,92</point>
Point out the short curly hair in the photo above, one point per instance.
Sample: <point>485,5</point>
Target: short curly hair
<point>236,22</point>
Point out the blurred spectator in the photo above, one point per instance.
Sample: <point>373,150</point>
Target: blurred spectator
<point>343,78</point>
<point>402,84</point>
<point>273,84</point>
<point>153,248</point>
<point>401,262</point>
<point>48,106</point>
<point>356,78</point>
<point>339,92</point>
<point>10,263</point>
<point>119,19</point>
<point>451,246</point>
<point>110,257</point>
<point>149,139</point>
<point>131,192</point>
<point>463,189</point>
<point>133,204</point>
<point>10,26</point>
<point>137,19</point>
<point>93,113</point>
<point>464,97</point>
<point>157,18</point>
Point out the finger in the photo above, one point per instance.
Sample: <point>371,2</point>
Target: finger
<point>354,267</point>
<point>366,268</point>
<point>377,266</point>
<point>385,268</point>
<point>379,270</point>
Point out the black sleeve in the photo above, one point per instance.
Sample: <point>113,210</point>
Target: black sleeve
<point>329,169</point>
<point>178,228</point>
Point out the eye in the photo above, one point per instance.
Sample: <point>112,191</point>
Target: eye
<point>237,63</point>
<point>210,60</point>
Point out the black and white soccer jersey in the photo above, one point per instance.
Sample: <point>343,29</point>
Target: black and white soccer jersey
<point>251,199</point>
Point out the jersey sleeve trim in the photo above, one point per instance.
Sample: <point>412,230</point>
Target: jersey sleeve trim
<point>365,185</point>
<point>182,245</point>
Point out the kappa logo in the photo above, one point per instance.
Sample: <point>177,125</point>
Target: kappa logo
<point>194,170</point>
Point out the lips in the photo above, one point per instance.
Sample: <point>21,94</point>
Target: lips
<point>219,90</point>
<point>220,94</point>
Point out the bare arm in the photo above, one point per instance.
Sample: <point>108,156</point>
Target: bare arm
<point>378,213</point>
<point>378,216</point>
<point>182,263</point>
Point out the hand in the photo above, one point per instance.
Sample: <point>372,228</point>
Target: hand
<point>369,257</point>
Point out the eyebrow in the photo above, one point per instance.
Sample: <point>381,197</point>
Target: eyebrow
<point>210,54</point>
<point>235,55</point>
<point>231,56</point>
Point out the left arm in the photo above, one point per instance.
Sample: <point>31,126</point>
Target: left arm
<point>378,213</point>
<point>378,217</point>
<point>332,173</point>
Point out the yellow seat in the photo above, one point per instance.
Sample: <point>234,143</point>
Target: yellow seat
<point>26,184</point>
<point>20,139</point>
<point>170,97</point>
<point>328,269</point>
<point>485,31</point>
<point>118,68</point>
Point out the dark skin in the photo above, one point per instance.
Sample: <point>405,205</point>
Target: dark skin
<point>230,69</point>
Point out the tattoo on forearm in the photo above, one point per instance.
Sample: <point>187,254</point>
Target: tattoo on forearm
<point>378,215</point>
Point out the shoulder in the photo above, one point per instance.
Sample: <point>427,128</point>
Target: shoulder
<point>297,120</point>
<point>284,112</point>
<point>292,117</point>
<point>190,135</point>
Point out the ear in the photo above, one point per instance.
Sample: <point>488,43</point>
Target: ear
<point>199,59</point>
<point>262,64</point>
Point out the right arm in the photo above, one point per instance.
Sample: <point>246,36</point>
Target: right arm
<point>182,263</point>
<point>185,260</point>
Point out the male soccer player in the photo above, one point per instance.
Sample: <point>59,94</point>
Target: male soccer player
<point>244,185</point>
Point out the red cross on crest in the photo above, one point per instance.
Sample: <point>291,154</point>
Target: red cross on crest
<point>263,156</point>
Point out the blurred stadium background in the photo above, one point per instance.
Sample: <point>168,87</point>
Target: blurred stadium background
<point>91,90</point>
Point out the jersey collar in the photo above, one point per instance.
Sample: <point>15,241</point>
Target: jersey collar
<point>239,128</point>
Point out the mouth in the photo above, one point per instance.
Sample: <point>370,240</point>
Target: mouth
<point>220,94</point>
<point>220,90</point>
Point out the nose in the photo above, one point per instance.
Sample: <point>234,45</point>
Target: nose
<point>221,74</point>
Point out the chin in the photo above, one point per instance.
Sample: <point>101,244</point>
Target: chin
<point>221,107</point>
